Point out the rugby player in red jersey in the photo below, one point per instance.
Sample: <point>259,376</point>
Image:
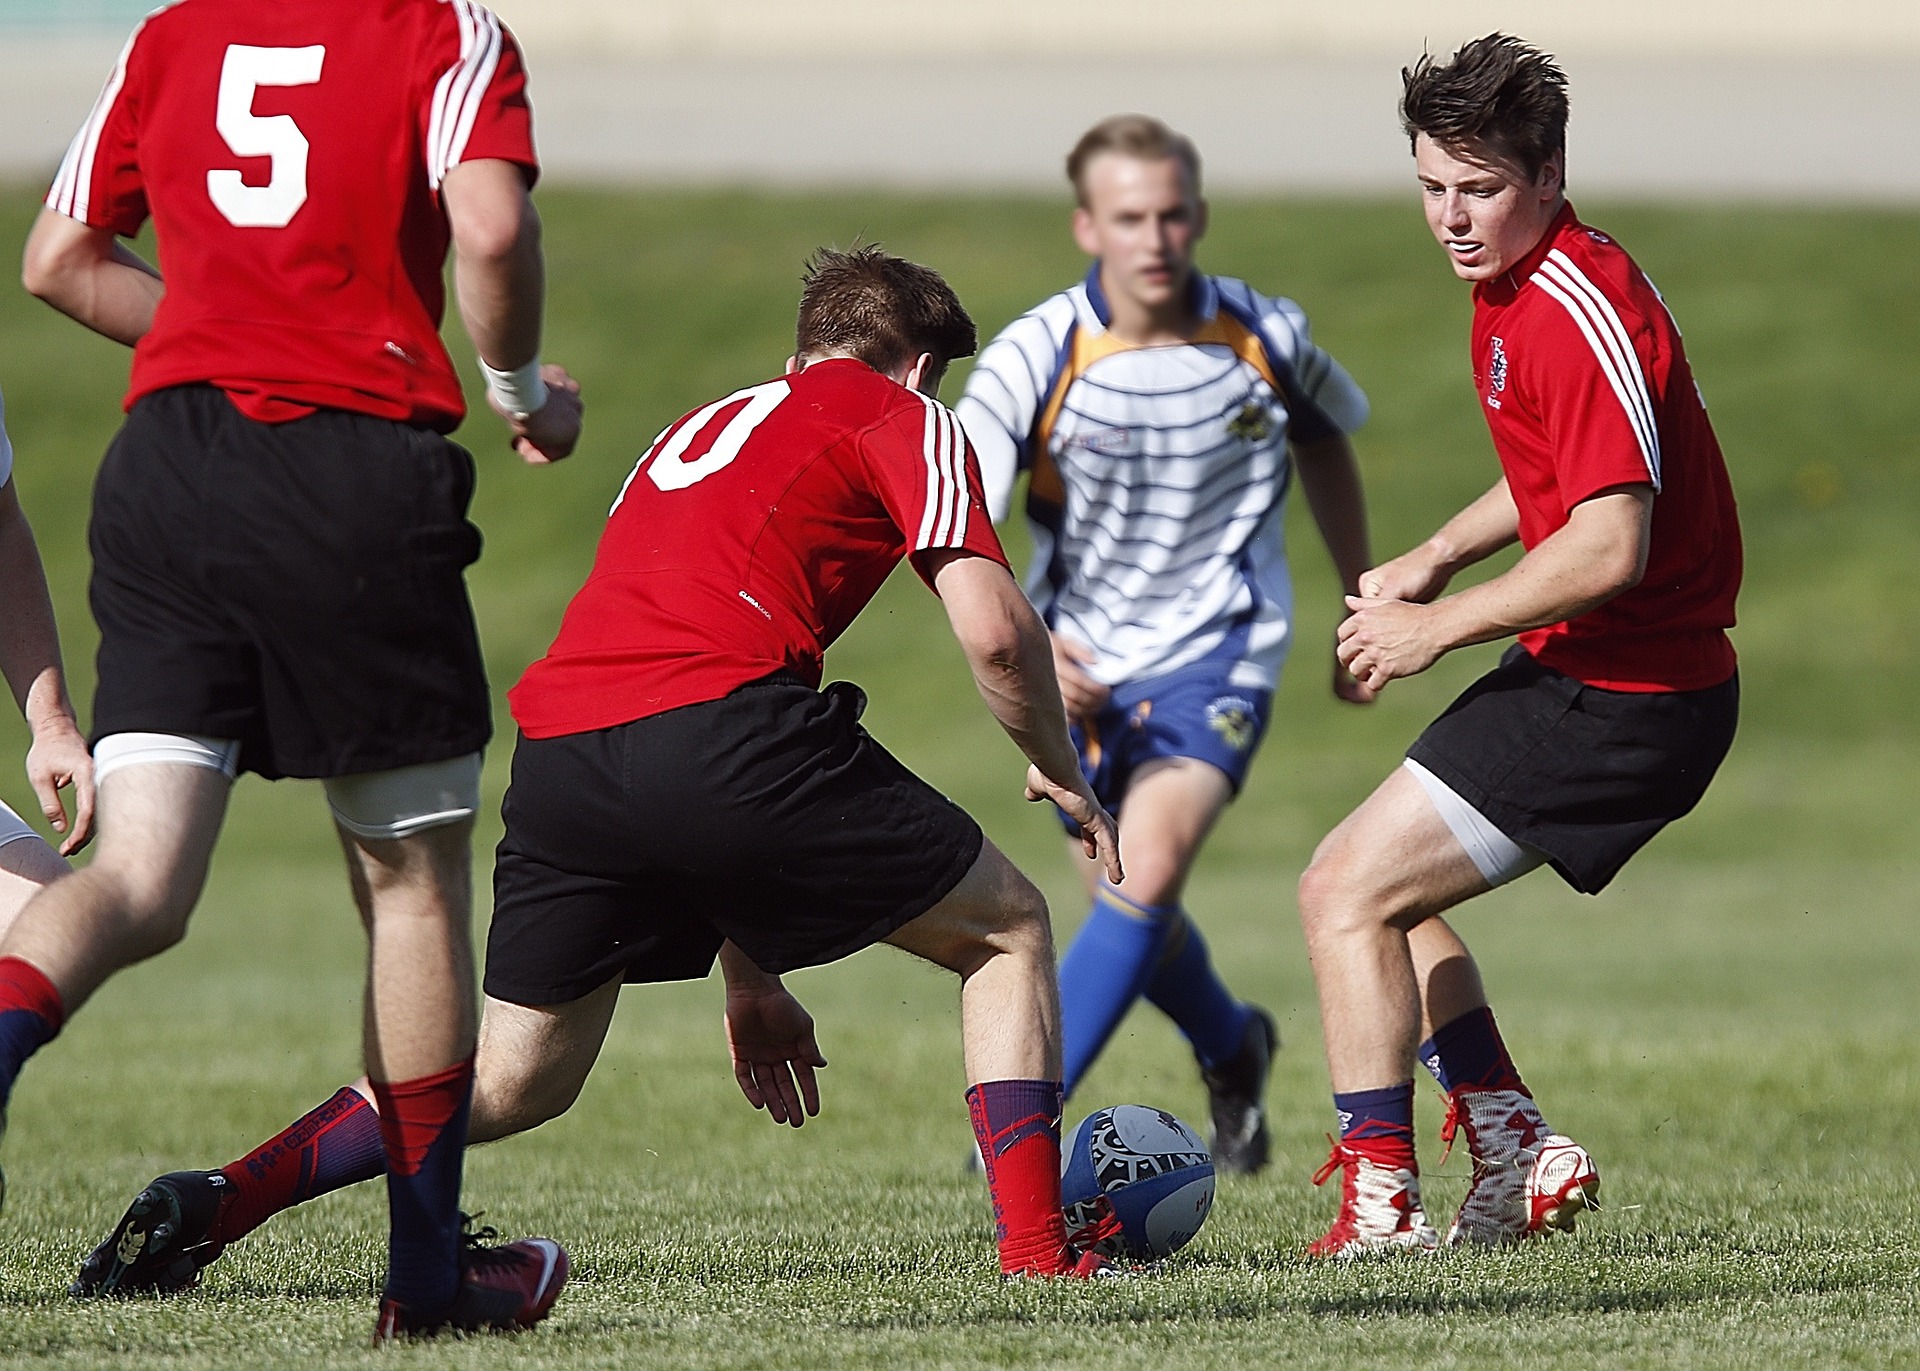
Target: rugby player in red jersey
<point>279,531</point>
<point>684,791</point>
<point>1604,723</point>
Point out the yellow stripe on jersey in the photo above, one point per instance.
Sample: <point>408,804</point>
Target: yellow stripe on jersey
<point>1087,348</point>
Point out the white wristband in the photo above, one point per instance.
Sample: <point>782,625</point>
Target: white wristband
<point>519,392</point>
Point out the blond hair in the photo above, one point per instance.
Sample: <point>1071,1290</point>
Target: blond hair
<point>1131,135</point>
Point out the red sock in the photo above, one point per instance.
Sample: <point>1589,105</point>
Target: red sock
<point>336,1145</point>
<point>1018,1126</point>
<point>423,1123</point>
<point>31,1013</point>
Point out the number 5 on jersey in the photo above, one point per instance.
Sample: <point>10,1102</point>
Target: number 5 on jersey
<point>672,463</point>
<point>275,137</point>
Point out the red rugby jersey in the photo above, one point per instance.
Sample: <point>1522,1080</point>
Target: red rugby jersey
<point>749,536</point>
<point>290,154</point>
<point>1585,385</point>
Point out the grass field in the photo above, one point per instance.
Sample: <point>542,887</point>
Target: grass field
<point>1730,1029</point>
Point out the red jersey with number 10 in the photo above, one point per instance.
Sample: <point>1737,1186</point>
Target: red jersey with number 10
<point>749,537</point>
<point>1586,386</point>
<point>290,154</point>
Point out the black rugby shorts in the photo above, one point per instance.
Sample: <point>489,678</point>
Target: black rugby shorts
<point>1585,775</point>
<point>298,587</point>
<point>769,817</point>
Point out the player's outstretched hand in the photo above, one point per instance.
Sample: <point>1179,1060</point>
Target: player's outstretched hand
<point>1098,832</point>
<point>58,760</point>
<point>1386,640</point>
<point>551,432</point>
<point>770,1037</point>
<point>1083,696</point>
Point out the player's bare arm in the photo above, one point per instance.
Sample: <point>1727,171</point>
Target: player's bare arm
<point>1011,655</point>
<point>1601,552</point>
<point>770,1038</point>
<point>500,282</point>
<point>89,275</point>
<point>1330,477</point>
<point>30,661</point>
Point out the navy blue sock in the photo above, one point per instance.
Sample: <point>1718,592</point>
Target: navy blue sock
<point>1468,1053</point>
<point>338,1144</point>
<point>424,1126</point>
<point>1187,988</point>
<point>1378,1123</point>
<point>1109,964</point>
<point>30,1016</point>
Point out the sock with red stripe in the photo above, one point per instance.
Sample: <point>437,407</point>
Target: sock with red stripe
<point>1378,1124</point>
<point>1018,1127</point>
<point>336,1145</point>
<point>423,1124</point>
<point>1467,1053</point>
<point>31,1013</point>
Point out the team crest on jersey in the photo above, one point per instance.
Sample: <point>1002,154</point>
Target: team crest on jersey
<point>1498,373</point>
<point>1253,424</point>
<point>1233,717</point>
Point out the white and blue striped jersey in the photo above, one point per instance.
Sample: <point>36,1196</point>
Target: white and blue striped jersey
<point>1158,475</point>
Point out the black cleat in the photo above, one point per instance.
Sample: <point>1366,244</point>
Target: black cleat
<point>1237,1091</point>
<point>160,1245</point>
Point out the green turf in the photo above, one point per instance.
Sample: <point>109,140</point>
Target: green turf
<point>1729,1029</point>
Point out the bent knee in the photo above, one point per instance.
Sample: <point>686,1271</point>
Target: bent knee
<point>503,1108</point>
<point>1333,895</point>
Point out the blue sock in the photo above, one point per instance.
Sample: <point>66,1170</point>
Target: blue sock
<point>1187,988</point>
<point>30,1015</point>
<point>1468,1053</point>
<point>1103,973</point>
<point>424,1126</point>
<point>1382,1118</point>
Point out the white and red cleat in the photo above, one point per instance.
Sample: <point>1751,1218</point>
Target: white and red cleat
<point>1379,1209</point>
<point>1527,1179</point>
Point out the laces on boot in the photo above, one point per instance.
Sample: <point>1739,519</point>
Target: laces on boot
<point>1106,1224</point>
<point>1336,1159</point>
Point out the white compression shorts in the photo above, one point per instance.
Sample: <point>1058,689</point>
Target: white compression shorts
<point>413,799</point>
<point>13,828</point>
<point>378,805</point>
<point>1497,857</point>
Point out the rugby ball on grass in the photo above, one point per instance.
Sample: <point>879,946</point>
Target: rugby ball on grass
<point>1135,1183</point>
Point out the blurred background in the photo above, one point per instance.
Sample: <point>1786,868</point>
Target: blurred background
<point>1672,97</point>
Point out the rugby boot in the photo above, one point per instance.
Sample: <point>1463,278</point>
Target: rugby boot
<point>160,1246</point>
<point>1527,1179</point>
<point>1237,1095</point>
<point>503,1289</point>
<point>1379,1209</point>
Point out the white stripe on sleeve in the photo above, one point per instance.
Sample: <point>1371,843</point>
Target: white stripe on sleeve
<point>1629,384</point>
<point>963,502</point>
<point>1607,319</point>
<point>72,193</point>
<point>488,63</point>
<point>932,511</point>
<point>458,95</point>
